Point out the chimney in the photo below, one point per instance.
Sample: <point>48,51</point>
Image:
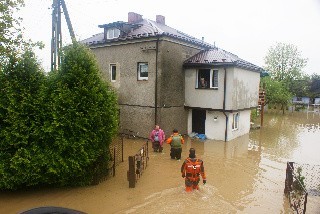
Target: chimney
<point>134,17</point>
<point>161,19</point>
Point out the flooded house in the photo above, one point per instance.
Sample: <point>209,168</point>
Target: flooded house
<point>164,76</point>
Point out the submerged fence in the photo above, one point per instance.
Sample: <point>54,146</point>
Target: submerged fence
<point>301,180</point>
<point>116,157</point>
<point>137,164</point>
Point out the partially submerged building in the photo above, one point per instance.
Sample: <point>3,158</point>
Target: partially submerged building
<point>164,76</point>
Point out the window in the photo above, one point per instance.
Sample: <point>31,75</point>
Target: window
<point>235,121</point>
<point>207,78</point>
<point>113,72</point>
<point>142,71</point>
<point>113,33</point>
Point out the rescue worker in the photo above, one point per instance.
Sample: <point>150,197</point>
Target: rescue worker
<point>157,137</point>
<point>191,170</point>
<point>175,141</point>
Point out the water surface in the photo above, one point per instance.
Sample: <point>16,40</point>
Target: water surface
<point>245,175</point>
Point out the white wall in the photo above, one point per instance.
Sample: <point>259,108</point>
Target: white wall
<point>204,98</point>
<point>215,130</point>
<point>242,93</point>
<point>244,88</point>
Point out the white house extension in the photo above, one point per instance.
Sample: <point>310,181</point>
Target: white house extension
<point>220,108</point>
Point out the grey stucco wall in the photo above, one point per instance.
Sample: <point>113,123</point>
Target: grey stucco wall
<point>126,56</point>
<point>137,98</point>
<point>171,84</point>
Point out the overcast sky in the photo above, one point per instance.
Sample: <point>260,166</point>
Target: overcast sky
<point>247,28</point>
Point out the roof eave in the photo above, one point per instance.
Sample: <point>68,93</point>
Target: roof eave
<point>143,36</point>
<point>208,65</point>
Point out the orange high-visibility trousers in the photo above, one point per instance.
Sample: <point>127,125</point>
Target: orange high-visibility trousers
<point>191,185</point>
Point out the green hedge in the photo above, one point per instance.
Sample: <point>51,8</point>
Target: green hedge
<point>55,129</point>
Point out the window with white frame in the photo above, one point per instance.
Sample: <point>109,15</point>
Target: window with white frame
<point>142,71</point>
<point>113,72</point>
<point>207,78</point>
<point>235,121</point>
<point>113,33</point>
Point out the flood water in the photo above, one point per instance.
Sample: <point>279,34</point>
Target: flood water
<point>245,175</point>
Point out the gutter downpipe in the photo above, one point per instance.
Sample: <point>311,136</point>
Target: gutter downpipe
<point>156,86</point>
<point>224,104</point>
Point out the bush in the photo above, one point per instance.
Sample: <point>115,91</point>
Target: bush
<point>85,118</point>
<point>22,83</point>
<point>55,130</point>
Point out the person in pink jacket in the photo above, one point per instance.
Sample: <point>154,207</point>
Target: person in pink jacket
<point>157,138</point>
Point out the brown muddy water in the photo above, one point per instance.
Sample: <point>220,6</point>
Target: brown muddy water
<point>239,179</point>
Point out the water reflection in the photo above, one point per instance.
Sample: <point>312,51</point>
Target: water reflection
<point>245,175</point>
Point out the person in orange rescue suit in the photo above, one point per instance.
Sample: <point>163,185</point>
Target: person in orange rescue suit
<point>175,141</point>
<point>191,170</point>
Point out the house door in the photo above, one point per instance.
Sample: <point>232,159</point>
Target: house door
<point>198,121</point>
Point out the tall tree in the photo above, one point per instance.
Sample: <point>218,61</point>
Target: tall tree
<point>12,42</point>
<point>315,85</point>
<point>10,31</point>
<point>277,93</point>
<point>285,63</point>
<point>300,87</point>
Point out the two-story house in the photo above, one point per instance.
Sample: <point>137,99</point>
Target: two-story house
<point>156,70</point>
<point>221,108</point>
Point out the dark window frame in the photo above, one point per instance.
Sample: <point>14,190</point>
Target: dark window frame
<point>113,72</point>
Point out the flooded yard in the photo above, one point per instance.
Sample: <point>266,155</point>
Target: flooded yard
<point>245,175</point>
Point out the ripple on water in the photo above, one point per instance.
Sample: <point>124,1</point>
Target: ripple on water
<point>176,200</point>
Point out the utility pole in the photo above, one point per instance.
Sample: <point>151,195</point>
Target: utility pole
<point>56,40</point>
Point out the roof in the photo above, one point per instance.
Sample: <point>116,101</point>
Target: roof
<point>219,57</point>
<point>144,29</point>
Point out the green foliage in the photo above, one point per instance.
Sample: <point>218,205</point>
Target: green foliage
<point>315,85</point>
<point>276,92</point>
<point>253,115</point>
<point>22,82</point>
<point>55,129</point>
<point>84,119</point>
<point>11,34</point>
<point>300,87</point>
<point>284,62</point>
<point>298,185</point>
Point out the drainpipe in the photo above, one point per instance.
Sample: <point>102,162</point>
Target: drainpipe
<point>224,104</point>
<point>156,86</point>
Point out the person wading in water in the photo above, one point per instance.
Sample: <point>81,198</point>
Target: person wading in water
<point>175,141</point>
<point>191,170</point>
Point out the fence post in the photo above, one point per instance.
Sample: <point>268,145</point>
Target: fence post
<point>132,173</point>
<point>147,153</point>
<point>289,178</point>
<point>305,203</point>
<point>122,147</point>
<point>114,161</point>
